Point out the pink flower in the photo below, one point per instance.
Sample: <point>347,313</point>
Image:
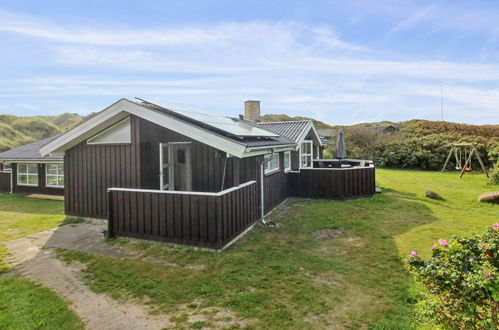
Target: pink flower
<point>488,276</point>
<point>496,225</point>
<point>443,243</point>
<point>413,253</point>
<point>433,247</point>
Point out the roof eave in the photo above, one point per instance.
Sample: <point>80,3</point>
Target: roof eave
<point>123,108</point>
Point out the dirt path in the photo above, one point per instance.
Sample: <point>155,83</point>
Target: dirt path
<point>97,310</point>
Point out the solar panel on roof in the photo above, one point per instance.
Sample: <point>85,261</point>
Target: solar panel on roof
<point>223,123</point>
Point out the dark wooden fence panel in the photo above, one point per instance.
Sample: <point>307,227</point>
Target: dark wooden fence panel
<point>5,181</point>
<point>195,219</point>
<point>332,183</point>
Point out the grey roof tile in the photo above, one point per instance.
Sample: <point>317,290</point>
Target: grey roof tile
<point>291,130</point>
<point>29,151</point>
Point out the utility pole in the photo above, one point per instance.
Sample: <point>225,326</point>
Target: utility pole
<point>442,101</point>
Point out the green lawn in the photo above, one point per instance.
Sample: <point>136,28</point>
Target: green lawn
<point>458,214</point>
<point>274,277</point>
<point>285,278</point>
<point>21,216</point>
<point>23,304</point>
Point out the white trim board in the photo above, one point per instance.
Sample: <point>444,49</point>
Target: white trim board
<point>179,192</point>
<point>305,133</point>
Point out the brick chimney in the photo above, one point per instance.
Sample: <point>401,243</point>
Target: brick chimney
<point>252,110</point>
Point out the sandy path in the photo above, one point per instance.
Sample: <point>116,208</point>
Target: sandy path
<point>97,310</point>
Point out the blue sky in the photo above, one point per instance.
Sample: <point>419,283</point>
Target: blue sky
<point>342,62</point>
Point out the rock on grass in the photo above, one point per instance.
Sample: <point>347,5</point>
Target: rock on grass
<point>433,195</point>
<point>489,197</point>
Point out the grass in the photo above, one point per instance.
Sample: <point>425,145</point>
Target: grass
<point>279,277</point>
<point>24,304</point>
<point>21,216</point>
<point>285,278</point>
<point>459,214</point>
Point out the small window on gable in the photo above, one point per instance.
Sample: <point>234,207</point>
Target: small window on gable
<point>118,133</point>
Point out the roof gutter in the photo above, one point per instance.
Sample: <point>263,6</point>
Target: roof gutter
<point>32,160</point>
<point>271,148</point>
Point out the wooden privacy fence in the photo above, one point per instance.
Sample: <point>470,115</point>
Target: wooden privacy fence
<point>332,183</point>
<point>201,219</point>
<point>5,181</point>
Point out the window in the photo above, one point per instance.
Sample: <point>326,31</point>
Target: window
<point>118,133</point>
<point>287,161</point>
<point>55,175</point>
<point>273,164</point>
<point>306,154</point>
<point>27,174</point>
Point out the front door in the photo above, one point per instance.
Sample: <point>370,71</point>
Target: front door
<point>175,158</point>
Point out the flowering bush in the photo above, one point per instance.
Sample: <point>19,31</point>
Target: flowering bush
<point>462,278</point>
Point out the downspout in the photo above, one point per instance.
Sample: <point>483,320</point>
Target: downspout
<point>223,175</point>
<point>262,197</point>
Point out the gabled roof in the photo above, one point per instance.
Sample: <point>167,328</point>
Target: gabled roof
<point>175,119</point>
<point>295,131</point>
<point>30,152</point>
<point>288,129</point>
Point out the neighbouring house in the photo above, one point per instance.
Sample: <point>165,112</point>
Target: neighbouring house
<point>327,135</point>
<point>172,173</point>
<point>30,172</point>
<point>383,129</point>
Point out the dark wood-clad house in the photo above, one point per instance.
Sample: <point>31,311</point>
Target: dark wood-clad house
<point>166,172</point>
<point>25,170</point>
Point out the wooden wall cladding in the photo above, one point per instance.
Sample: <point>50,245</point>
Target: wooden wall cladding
<point>332,184</point>
<point>5,181</point>
<point>91,169</point>
<point>202,220</point>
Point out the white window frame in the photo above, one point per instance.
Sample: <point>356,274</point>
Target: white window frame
<point>268,165</point>
<point>308,155</point>
<point>28,174</point>
<point>58,175</point>
<point>288,155</point>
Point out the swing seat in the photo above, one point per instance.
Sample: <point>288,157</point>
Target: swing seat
<point>468,169</point>
<point>458,168</point>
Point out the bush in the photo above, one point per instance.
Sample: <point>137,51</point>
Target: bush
<point>462,278</point>
<point>494,176</point>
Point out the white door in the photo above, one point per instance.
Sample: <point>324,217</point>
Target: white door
<point>165,165</point>
<point>181,158</point>
<point>175,166</point>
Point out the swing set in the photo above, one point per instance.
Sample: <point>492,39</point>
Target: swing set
<point>467,150</point>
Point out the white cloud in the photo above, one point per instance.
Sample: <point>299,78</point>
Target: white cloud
<point>293,68</point>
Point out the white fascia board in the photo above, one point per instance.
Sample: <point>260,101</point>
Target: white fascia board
<point>85,129</point>
<point>317,134</point>
<point>33,161</point>
<point>267,150</point>
<point>122,109</point>
<point>191,131</point>
<point>305,133</point>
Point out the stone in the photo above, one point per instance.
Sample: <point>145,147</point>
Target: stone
<point>489,197</point>
<point>432,195</point>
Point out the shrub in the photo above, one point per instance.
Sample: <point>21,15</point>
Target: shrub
<point>462,279</point>
<point>494,176</point>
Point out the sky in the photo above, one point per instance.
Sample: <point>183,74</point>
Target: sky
<point>341,62</point>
